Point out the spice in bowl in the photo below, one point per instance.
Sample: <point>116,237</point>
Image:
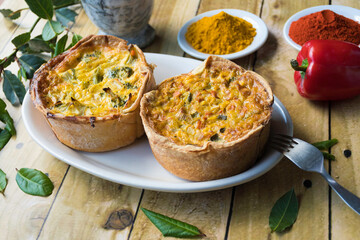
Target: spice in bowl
<point>220,34</point>
<point>324,25</point>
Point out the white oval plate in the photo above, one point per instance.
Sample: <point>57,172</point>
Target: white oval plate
<point>258,24</point>
<point>348,12</point>
<point>135,165</point>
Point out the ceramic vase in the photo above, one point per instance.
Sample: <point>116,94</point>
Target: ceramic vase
<point>127,19</point>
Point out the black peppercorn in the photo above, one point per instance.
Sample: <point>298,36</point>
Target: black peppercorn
<point>347,153</point>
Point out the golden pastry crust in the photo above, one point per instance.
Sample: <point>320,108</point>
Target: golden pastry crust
<point>208,159</point>
<point>92,132</point>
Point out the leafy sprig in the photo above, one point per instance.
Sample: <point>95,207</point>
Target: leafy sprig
<point>324,146</point>
<point>26,47</point>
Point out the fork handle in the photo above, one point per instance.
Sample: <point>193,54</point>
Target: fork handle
<point>349,198</point>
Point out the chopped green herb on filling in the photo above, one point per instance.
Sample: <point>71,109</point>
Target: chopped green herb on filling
<point>190,97</point>
<point>97,76</point>
<point>129,86</point>
<point>113,73</point>
<point>215,137</point>
<point>126,72</point>
<point>195,114</point>
<point>87,56</point>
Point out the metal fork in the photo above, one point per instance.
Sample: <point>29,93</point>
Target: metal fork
<point>309,158</point>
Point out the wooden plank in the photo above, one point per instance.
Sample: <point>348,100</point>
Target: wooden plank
<point>167,19</point>
<point>24,212</point>
<point>253,201</point>
<point>85,203</point>
<point>23,215</point>
<point>83,25</point>
<point>345,117</point>
<point>88,207</point>
<point>208,211</point>
<point>8,26</point>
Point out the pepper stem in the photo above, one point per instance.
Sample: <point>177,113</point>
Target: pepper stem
<point>296,67</point>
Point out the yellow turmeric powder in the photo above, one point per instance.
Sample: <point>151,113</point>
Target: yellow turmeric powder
<point>220,34</point>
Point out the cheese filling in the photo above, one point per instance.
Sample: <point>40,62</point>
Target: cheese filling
<point>99,82</point>
<point>213,106</point>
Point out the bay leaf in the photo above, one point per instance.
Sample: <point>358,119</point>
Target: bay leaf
<point>65,15</point>
<point>21,39</point>
<point>5,136</point>
<point>13,88</point>
<point>51,30</point>
<point>8,13</point>
<point>170,227</point>
<point>284,212</point>
<point>3,181</point>
<point>42,8</point>
<point>30,63</point>
<point>60,45</point>
<point>36,45</point>
<point>59,3</point>
<point>74,40</point>
<point>34,182</point>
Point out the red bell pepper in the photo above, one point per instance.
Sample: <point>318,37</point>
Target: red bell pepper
<point>327,70</point>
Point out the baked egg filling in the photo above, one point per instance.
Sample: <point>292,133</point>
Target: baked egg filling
<point>94,82</point>
<point>210,106</point>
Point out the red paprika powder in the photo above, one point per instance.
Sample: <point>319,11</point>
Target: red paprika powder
<point>325,25</point>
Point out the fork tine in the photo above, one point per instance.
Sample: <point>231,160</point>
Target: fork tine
<point>278,148</point>
<point>281,143</point>
<point>284,138</point>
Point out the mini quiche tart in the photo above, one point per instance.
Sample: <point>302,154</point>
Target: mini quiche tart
<point>90,95</point>
<point>210,123</point>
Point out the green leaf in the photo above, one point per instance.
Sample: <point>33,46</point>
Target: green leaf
<point>8,13</point>
<point>328,156</point>
<point>65,15</point>
<point>58,3</point>
<point>5,118</point>
<point>3,181</point>
<point>170,227</point>
<point>60,45</point>
<point>21,39</point>
<point>284,212</point>
<point>31,63</point>
<point>2,105</point>
<point>5,62</point>
<point>42,8</point>
<point>51,30</point>
<point>36,45</point>
<point>34,182</point>
<point>22,73</point>
<point>325,145</point>
<point>5,136</point>
<point>13,88</point>
<point>74,40</point>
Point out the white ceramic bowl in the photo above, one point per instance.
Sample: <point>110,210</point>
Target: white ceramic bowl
<point>348,12</point>
<point>258,24</point>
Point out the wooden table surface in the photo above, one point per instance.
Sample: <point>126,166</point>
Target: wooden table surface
<point>81,204</point>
